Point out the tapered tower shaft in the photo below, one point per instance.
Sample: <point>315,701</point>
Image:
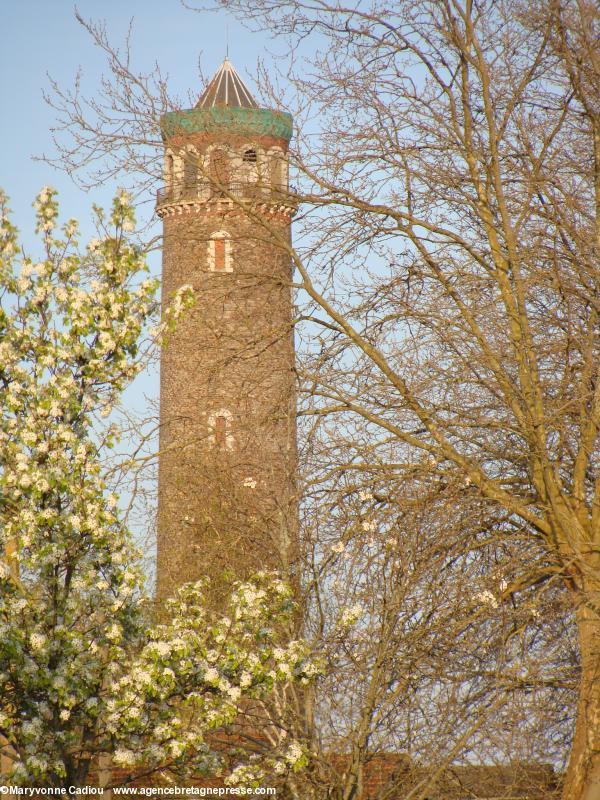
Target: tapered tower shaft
<point>227,405</point>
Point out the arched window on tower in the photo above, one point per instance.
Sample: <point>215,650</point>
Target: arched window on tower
<point>219,252</point>
<point>169,170</point>
<point>220,430</point>
<point>190,170</point>
<point>218,169</point>
<point>248,173</point>
<point>277,169</point>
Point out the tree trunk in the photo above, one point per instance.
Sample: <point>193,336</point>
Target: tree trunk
<point>582,781</point>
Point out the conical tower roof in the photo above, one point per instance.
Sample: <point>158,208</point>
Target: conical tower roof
<point>226,89</point>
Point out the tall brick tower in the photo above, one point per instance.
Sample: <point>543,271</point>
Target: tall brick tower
<point>227,399</point>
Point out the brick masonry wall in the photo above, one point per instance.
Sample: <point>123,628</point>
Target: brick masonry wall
<point>392,776</point>
<point>227,510</point>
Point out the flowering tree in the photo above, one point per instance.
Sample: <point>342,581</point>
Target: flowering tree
<point>83,670</point>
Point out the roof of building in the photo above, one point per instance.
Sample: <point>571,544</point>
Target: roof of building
<point>226,89</point>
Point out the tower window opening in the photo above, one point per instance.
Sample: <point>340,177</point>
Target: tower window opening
<point>190,171</point>
<point>220,431</point>
<point>249,156</point>
<point>169,166</point>
<point>219,257</point>
<point>219,167</point>
<point>277,170</point>
<point>219,252</point>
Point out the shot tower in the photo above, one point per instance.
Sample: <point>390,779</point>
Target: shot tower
<point>227,401</point>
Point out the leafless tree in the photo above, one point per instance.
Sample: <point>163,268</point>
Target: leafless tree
<point>446,663</point>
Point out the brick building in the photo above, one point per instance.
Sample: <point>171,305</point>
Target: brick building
<point>227,404</point>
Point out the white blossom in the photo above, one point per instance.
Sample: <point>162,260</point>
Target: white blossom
<point>123,757</point>
<point>294,753</point>
<point>350,615</point>
<point>245,679</point>
<point>487,598</point>
<point>234,693</point>
<point>114,632</point>
<point>211,676</point>
<point>37,641</point>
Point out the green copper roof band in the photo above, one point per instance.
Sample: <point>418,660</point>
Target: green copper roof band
<point>250,121</point>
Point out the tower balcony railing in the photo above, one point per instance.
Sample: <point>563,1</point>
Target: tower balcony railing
<point>204,191</point>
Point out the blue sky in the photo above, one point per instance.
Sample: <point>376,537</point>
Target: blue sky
<point>42,36</point>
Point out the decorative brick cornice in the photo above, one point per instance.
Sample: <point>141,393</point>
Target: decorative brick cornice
<point>219,206</point>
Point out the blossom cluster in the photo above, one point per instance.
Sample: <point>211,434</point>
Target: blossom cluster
<point>69,331</point>
<point>182,299</point>
<point>215,663</point>
<point>82,668</point>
